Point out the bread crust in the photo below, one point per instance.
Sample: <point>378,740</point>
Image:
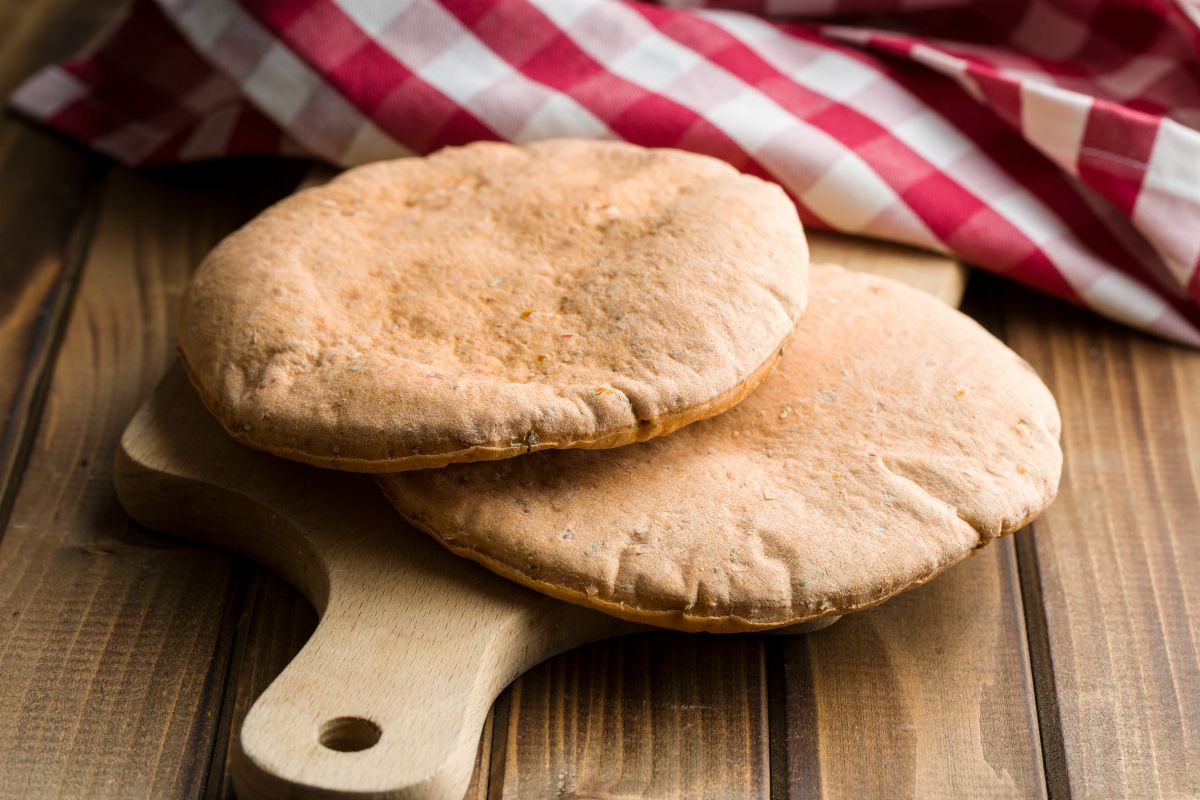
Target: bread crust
<point>895,438</point>
<point>492,301</point>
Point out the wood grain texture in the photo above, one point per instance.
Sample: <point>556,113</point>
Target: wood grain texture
<point>503,770</point>
<point>125,658</point>
<point>408,632</point>
<point>480,777</point>
<point>114,643</point>
<point>1116,560</point>
<point>937,274</point>
<point>277,623</point>
<point>652,715</point>
<point>676,716</point>
<point>389,696</point>
<point>274,624</point>
<point>45,222</point>
<point>928,695</point>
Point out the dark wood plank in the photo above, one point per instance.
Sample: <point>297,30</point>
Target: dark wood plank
<point>115,642</point>
<point>481,778</point>
<point>1115,559</point>
<point>597,724</point>
<point>651,715</point>
<point>928,695</point>
<point>43,222</point>
<point>275,623</point>
<point>64,658</point>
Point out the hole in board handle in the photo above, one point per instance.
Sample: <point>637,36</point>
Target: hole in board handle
<point>349,734</point>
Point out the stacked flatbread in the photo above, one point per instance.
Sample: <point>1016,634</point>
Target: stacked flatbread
<point>516,337</point>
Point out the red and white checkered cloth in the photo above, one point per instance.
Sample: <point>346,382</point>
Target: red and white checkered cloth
<point>1054,141</point>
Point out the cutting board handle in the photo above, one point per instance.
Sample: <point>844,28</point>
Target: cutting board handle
<point>382,704</point>
<point>388,697</point>
<point>362,712</point>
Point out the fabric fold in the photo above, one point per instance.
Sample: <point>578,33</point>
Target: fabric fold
<point>1051,141</point>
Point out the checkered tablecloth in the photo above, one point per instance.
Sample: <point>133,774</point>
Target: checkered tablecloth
<point>1053,141</point>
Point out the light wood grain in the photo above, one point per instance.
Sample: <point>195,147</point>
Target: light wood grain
<point>1116,560</point>
<point>937,274</point>
<point>388,697</point>
<point>275,623</point>
<point>413,643</point>
<point>113,643</point>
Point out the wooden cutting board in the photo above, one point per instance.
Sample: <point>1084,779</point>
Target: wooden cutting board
<point>388,697</point>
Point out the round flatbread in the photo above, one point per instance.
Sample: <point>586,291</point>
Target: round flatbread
<point>895,437</point>
<point>493,300</point>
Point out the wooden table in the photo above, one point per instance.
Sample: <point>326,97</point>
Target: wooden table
<point>1062,661</point>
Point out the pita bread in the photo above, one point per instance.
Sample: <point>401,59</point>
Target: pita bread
<point>492,300</point>
<point>895,438</point>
